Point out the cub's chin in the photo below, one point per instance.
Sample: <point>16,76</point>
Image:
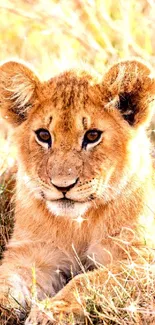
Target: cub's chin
<point>67,208</point>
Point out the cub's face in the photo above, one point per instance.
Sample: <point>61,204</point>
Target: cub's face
<point>73,152</point>
<point>75,147</point>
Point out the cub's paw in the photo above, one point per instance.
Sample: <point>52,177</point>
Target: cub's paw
<point>40,317</point>
<point>52,316</point>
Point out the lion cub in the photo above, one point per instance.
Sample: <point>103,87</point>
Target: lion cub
<point>85,189</point>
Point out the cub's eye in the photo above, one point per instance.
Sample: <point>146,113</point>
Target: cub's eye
<point>91,136</point>
<point>44,136</point>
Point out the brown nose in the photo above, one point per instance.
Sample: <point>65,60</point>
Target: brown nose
<point>64,185</point>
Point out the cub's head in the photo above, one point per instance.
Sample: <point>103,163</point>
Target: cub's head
<point>80,141</point>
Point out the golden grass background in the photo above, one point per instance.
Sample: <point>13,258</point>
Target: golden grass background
<point>54,34</point>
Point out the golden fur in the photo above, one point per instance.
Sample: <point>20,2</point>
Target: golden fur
<point>110,187</point>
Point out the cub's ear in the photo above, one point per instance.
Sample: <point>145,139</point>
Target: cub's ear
<point>132,91</point>
<point>18,92</point>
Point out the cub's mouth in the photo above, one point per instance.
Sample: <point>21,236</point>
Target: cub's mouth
<point>67,208</point>
<point>65,203</point>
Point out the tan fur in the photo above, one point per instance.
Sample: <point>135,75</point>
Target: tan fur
<point>114,204</point>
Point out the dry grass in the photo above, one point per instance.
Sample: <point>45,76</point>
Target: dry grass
<point>52,36</point>
<point>6,209</point>
<point>127,298</point>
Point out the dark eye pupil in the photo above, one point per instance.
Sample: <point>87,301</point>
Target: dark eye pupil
<point>91,136</point>
<point>43,136</point>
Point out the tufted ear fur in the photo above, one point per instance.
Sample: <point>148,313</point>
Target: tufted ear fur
<point>18,91</point>
<point>131,90</point>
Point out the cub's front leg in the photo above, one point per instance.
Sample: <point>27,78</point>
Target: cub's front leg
<point>70,302</point>
<point>28,273</point>
<point>75,299</point>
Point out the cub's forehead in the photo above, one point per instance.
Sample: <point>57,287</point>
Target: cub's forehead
<point>70,90</point>
<point>71,98</point>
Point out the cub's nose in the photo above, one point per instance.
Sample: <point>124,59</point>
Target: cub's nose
<point>64,185</point>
